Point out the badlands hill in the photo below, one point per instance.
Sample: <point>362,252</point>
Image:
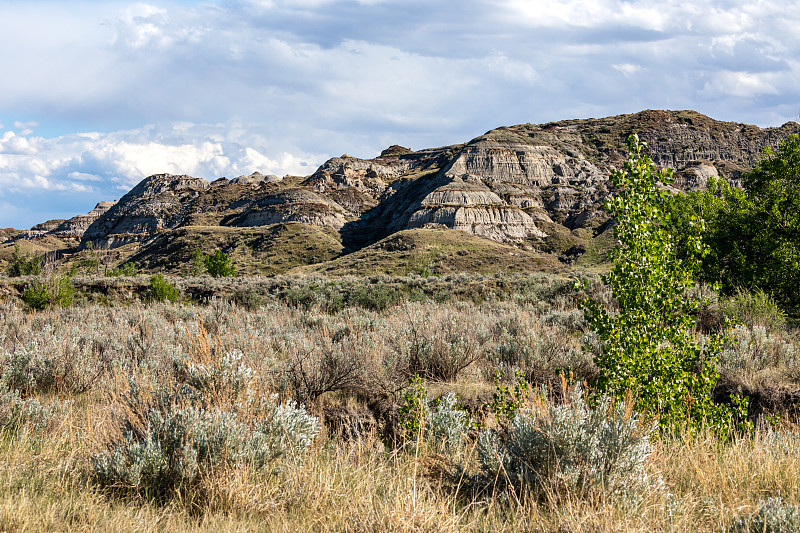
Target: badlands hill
<point>519,197</point>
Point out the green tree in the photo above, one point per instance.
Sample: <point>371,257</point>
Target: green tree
<point>771,243</point>
<point>219,264</point>
<point>22,265</point>
<point>649,348</point>
<point>753,233</point>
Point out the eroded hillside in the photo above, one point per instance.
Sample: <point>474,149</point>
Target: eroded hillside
<point>539,188</point>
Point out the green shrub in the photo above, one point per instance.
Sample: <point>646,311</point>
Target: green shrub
<point>22,265</point>
<point>753,308</point>
<point>198,263</point>
<point>219,264</point>
<point>59,291</point>
<point>507,401</point>
<point>376,297</point>
<point>569,449</point>
<point>773,516</point>
<point>64,292</point>
<point>414,409</point>
<point>161,290</point>
<point>301,296</point>
<point>37,296</point>
<point>125,269</point>
<point>754,231</point>
<point>89,261</point>
<point>250,300</point>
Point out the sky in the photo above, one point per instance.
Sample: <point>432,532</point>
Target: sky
<point>97,95</point>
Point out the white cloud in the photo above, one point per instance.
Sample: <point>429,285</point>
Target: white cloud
<point>83,176</point>
<point>119,160</point>
<point>742,84</point>
<point>627,69</point>
<point>11,143</point>
<point>25,127</point>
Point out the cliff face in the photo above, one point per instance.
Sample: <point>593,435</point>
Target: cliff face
<point>513,184</point>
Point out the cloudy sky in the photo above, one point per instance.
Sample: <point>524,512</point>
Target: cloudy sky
<point>96,95</point>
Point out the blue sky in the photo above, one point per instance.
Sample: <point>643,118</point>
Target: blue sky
<point>98,95</point>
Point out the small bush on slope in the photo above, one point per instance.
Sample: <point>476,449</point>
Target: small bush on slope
<point>162,290</point>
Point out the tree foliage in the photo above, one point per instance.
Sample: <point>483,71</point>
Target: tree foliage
<point>22,265</point>
<point>649,348</point>
<point>754,232</point>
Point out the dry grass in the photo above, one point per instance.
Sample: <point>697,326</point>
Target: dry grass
<point>364,484</point>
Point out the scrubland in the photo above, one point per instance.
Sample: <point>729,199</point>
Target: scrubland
<point>373,404</point>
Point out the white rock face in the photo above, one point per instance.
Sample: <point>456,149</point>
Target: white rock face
<point>461,193</point>
<point>504,224</point>
<point>256,178</point>
<point>695,176</point>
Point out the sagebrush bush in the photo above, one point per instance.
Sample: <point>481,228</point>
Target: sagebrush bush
<point>447,424</point>
<point>773,516</point>
<point>170,432</point>
<point>443,427</point>
<point>16,411</point>
<point>227,374</point>
<point>377,297</point>
<point>172,437</point>
<point>569,449</point>
<point>440,348</point>
<point>170,449</point>
<point>754,348</point>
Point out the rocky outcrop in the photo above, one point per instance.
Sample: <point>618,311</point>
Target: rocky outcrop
<point>474,208</point>
<point>158,203</point>
<point>505,156</point>
<point>256,178</point>
<point>77,225</point>
<point>46,227</point>
<point>72,228</point>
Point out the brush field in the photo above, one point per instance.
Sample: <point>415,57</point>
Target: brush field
<point>371,404</point>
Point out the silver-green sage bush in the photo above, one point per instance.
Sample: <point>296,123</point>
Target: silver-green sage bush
<point>569,448</point>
